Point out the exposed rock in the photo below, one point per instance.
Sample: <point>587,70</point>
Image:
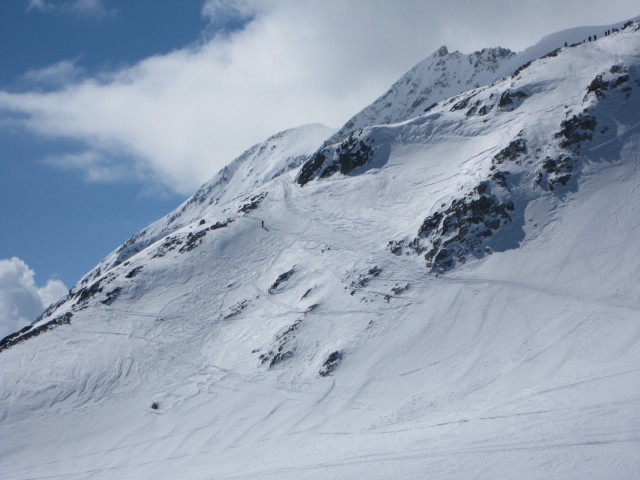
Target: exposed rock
<point>355,151</point>
<point>363,279</point>
<point>575,130</point>
<point>462,103</point>
<point>134,272</point>
<point>111,296</point>
<point>236,309</point>
<point>252,203</point>
<point>510,100</point>
<point>331,363</point>
<point>398,288</point>
<point>284,348</point>
<point>552,53</point>
<point>30,332</point>
<point>310,168</point>
<point>169,243</point>
<point>511,152</point>
<point>193,240</point>
<point>86,293</point>
<point>281,279</point>
<point>522,67</point>
<point>450,235</point>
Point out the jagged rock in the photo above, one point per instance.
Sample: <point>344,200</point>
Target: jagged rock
<point>252,203</point>
<point>30,331</point>
<point>331,363</point>
<point>597,86</point>
<point>193,240</point>
<point>356,151</point>
<point>522,67</point>
<point>284,348</point>
<point>500,177</point>
<point>511,99</point>
<point>236,309</point>
<point>398,288</point>
<point>281,279</point>
<point>552,53</point>
<point>86,293</point>
<point>111,296</point>
<point>310,168</point>
<point>169,243</point>
<point>134,272</point>
<point>460,230</point>
<point>575,130</point>
<point>511,152</point>
<point>462,103</point>
<point>363,279</point>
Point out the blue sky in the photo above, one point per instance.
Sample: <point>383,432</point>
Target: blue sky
<point>54,219</point>
<point>113,111</point>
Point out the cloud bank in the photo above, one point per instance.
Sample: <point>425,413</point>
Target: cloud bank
<point>21,301</point>
<point>260,67</point>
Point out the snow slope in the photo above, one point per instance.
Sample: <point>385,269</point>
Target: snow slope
<point>445,74</point>
<point>262,162</point>
<point>453,296</point>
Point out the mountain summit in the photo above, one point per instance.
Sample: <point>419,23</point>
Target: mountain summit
<point>448,285</point>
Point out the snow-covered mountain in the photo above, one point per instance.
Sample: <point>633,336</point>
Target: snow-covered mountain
<point>451,294</point>
<point>265,161</point>
<point>445,74</point>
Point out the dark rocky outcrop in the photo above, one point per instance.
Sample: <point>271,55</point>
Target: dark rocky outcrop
<point>363,279</point>
<point>112,295</point>
<point>464,103</point>
<point>451,234</point>
<point>236,309</point>
<point>575,130</point>
<point>86,293</point>
<point>168,244</point>
<point>191,241</point>
<point>30,331</point>
<point>311,167</point>
<point>511,100</point>
<point>252,203</point>
<point>134,272</point>
<point>280,280</point>
<point>284,348</point>
<point>355,151</point>
<point>460,230</point>
<point>331,363</point>
<point>511,152</point>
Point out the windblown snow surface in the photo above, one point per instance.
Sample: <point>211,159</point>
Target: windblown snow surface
<point>455,296</point>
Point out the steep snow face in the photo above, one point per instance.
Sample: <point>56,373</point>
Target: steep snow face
<point>437,77</point>
<point>262,162</point>
<point>444,75</point>
<point>456,294</point>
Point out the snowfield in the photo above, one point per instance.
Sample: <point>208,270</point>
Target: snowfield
<point>453,296</point>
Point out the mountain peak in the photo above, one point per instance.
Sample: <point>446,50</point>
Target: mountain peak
<point>441,52</point>
<point>439,76</point>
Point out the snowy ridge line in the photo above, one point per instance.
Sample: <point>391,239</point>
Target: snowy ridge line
<point>445,75</point>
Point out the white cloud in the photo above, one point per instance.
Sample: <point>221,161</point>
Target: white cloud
<point>21,301</point>
<point>83,8</point>
<point>96,166</point>
<point>221,13</point>
<point>55,75</point>
<point>178,118</point>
